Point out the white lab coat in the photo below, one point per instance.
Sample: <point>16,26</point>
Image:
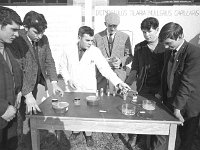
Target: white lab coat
<point>83,72</point>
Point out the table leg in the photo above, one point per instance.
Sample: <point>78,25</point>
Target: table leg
<point>172,136</point>
<point>35,136</point>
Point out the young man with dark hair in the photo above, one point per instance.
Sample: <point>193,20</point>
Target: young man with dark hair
<point>10,78</point>
<point>181,82</point>
<point>147,65</point>
<point>78,68</point>
<point>38,65</point>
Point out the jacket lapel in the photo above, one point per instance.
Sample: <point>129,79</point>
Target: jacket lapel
<point>180,55</point>
<point>115,50</point>
<point>105,42</point>
<point>23,35</point>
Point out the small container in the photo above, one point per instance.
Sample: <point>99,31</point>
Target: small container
<point>108,93</point>
<point>101,92</point>
<point>125,96</point>
<point>134,99</point>
<point>128,109</point>
<point>148,104</point>
<point>97,93</point>
<point>92,100</point>
<point>60,107</point>
<point>77,101</point>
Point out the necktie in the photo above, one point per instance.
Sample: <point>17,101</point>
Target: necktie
<point>35,50</point>
<point>6,58</point>
<point>110,42</point>
<point>172,56</point>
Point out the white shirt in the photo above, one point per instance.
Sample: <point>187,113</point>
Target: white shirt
<point>83,72</point>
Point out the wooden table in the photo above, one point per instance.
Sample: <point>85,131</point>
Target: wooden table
<point>88,118</point>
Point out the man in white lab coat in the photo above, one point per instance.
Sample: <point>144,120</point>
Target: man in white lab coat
<point>78,68</point>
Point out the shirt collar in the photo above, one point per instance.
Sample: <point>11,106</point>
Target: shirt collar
<point>178,48</point>
<point>108,34</point>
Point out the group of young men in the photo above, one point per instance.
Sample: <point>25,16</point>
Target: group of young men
<point>165,66</point>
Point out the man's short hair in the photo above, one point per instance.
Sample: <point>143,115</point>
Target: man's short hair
<point>85,30</point>
<point>35,20</point>
<point>8,16</point>
<point>149,23</point>
<point>170,30</point>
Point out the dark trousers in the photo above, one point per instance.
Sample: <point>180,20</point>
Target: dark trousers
<point>8,136</point>
<point>188,134</point>
<point>25,138</point>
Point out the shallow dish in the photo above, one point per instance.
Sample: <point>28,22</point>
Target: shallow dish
<point>60,107</point>
<point>148,104</point>
<point>92,100</point>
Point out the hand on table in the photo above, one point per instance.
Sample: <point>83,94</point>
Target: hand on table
<point>57,89</point>
<point>31,104</point>
<point>177,113</point>
<point>18,100</point>
<point>72,84</point>
<point>10,113</point>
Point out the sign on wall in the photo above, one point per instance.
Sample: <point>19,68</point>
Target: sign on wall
<point>63,23</point>
<point>131,17</point>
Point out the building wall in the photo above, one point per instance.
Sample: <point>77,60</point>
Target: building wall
<point>117,2</point>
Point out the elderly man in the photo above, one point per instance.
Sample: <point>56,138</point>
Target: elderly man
<point>115,47</point>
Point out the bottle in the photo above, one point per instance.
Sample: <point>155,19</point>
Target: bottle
<point>101,92</point>
<point>97,93</point>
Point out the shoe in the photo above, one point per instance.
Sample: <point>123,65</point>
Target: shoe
<point>89,141</point>
<point>115,136</point>
<point>73,136</point>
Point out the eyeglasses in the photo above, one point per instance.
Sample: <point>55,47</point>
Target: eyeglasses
<point>112,26</point>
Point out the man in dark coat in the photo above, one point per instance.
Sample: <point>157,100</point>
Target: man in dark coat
<point>180,82</point>
<point>10,78</point>
<point>38,66</point>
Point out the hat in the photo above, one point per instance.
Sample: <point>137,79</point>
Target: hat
<point>112,18</point>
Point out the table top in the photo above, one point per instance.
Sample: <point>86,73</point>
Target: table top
<point>110,104</point>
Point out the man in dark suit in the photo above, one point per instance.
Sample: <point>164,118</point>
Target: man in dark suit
<point>180,82</point>
<point>10,78</point>
<point>116,47</point>
<point>147,66</point>
<point>39,64</point>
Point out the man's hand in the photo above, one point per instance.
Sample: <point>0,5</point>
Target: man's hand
<point>124,88</point>
<point>56,88</point>
<point>18,100</point>
<point>31,104</point>
<point>177,113</point>
<point>114,62</point>
<point>10,113</point>
<point>117,63</point>
<point>72,84</point>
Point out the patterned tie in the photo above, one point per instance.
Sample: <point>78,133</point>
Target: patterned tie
<point>110,42</point>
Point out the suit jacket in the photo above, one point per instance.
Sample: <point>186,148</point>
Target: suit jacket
<point>30,64</point>
<point>140,63</point>
<point>186,80</point>
<point>121,49</point>
<point>10,83</point>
